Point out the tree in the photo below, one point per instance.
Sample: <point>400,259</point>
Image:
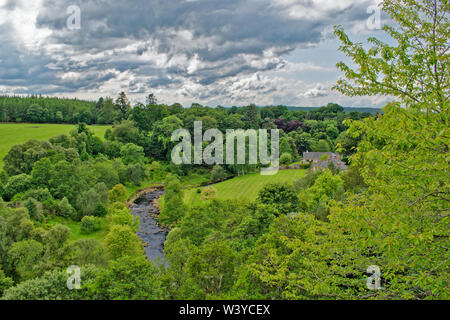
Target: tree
<point>212,269</point>
<point>251,117</point>
<point>123,104</point>
<point>128,278</point>
<point>217,173</point>
<point>33,210</point>
<point>281,196</point>
<point>399,223</point>
<point>132,153</point>
<point>51,286</point>
<point>41,172</point>
<point>136,173</point>
<point>322,146</point>
<point>122,241</point>
<point>17,184</point>
<point>64,209</point>
<point>151,99</point>
<point>89,252</point>
<point>5,282</point>
<point>118,194</point>
<point>286,159</point>
<point>174,207</point>
<point>90,224</point>
<point>125,132</point>
<point>24,256</point>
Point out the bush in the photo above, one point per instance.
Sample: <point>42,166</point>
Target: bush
<point>17,184</point>
<point>90,224</point>
<point>136,173</point>
<point>124,217</point>
<point>286,159</point>
<point>118,194</point>
<point>100,211</point>
<point>66,210</point>
<point>217,174</point>
<point>282,197</point>
<point>41,195</point>
<point>33,210</point>
<point>123,241</point>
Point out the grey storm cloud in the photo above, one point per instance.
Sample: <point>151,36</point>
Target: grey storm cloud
<point>163,43</point>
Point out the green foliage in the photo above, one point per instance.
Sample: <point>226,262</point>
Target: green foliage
<point>128,278</point>
<point>317,197</point>
<point>33,210</point>
<point>281,196</point>
<point>51,286</point>
<point>174,207</point>
<point>117,194</point>
<point>211,270</point>
<point>124,217</point>
<point>122,241</point>
<point>321,146</point>
<point>89,252</point>
<point>286,159</point>
<point>24,256</point>
<point>64,209</point>
<point>90,224</point>
<point>5,282</point>
<point>218,173</point>
<point>136,173</point>
<point>39,109</point>
<point>17,184</point>
<point>132,153</point>
<point>88,201</point>
<point>100,211</point>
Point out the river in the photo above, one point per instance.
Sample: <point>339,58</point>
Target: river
<point>150,232</point>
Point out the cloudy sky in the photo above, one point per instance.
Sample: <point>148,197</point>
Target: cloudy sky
<point>214,52</point>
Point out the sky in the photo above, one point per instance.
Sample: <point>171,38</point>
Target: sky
<point>212,52</point>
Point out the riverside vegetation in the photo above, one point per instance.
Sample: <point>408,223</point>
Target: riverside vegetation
<point>311,237</point>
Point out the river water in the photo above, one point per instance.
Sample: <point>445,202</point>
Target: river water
<point>149,231</point>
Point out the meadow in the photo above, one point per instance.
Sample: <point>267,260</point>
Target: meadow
<point>18,133</point>
<point>244,188</point>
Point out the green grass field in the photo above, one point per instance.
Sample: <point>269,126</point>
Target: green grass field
<point>245,188</point>
<point>17,133</point>
<point>75,229</point>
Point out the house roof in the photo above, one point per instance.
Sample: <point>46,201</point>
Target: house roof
<point>316,155</point>
<point>324,164</point>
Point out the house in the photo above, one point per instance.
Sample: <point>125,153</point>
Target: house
<point>316,159</point>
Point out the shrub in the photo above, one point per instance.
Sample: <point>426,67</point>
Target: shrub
<point>90,224</point>
<point>122,241</point>
<point>64,209</point>
<point>17,184</point>
<point>282,197</point>
<point>217,174</point>
<point>100,211</point>
<point>33,210</point>
<point>286,158</point>
<point>117,194</point>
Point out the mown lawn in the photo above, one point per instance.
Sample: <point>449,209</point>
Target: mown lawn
<point>18,133</point>
<point>245,188</point>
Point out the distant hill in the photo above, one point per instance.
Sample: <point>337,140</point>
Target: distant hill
<point>346,109</point>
